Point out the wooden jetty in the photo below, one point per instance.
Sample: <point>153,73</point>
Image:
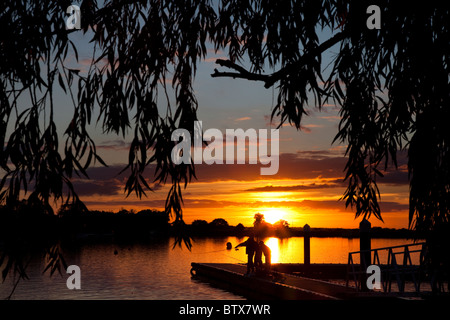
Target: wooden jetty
<point>278,285</point>
<point>309,281</point>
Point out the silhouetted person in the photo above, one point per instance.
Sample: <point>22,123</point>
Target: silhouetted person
<point>251,247</point>
<point>262,249</point>
<point>267,254</point>
<point>258,257</point>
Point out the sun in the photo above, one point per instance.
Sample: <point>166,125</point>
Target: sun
<point>273,215</point>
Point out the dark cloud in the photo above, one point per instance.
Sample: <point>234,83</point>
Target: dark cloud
<point>117,145</point>
<point>319,154</point>
<point>309,164</point>
<point>323,165</point>
<point>385,206</point>
<point>291,166</point>
<point>299,187</point>
<point>156,203</point>
<point>397,178</point>
<point>157,186</point>
<point>305,129</point>
<point>98,187</point>
<point>107,173</point>
<point>325,205</point>
<point>388,206</point>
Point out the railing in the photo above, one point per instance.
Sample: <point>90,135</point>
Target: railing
<point>394,268</point>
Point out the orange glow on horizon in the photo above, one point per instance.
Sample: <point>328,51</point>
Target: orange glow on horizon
<point>239,201</point>
<point>273,215</point>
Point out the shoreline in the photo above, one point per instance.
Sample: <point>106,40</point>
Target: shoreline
<point>149,224</point>
<point>376,232</point>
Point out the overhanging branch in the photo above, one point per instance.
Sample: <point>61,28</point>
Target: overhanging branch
<point>242,73</point>
<point>270,79</point>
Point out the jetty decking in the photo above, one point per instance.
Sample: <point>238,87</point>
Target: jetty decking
<point>277,286</point>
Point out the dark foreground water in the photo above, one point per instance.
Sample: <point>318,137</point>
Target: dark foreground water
<point>156,271</point>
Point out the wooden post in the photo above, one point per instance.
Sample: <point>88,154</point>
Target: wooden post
<point>306,245</point>
<point>364,245</point>
<point>364,242</point>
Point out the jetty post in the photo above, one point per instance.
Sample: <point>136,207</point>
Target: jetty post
<point>365,242</point>
<point>306,245</point>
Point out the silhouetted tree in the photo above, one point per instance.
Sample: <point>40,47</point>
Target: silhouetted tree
<point>260,226</point>
<point>259,219</point>
<point>281,228</point>
<point>199,227</point>
<point>239,228</point>
<point>200,223</point>
<point>281,224</point>
<point>71,209</point>
<point>219,223</point>
<point>391,85</point>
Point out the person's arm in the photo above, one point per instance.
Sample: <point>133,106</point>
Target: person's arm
<point>241,244</point>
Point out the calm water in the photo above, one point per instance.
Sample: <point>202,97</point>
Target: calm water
<point>156,271</point>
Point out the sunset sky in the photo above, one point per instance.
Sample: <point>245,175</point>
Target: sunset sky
<point>306,188</point>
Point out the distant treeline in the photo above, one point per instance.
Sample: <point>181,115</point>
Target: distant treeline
<point>24,222</point>
<point>68,223</point>
<point>219,227</point>
<point>376,232</point>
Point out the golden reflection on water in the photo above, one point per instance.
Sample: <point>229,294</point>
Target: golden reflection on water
<point>157,271</point>
<point>274,246</point>
<point>323,250</point>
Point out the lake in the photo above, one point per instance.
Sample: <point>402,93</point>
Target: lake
<point>155,271</point>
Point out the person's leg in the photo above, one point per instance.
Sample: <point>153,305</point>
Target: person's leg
<point>268,263</point>
<point>249,263</point>
<point>252,266</point>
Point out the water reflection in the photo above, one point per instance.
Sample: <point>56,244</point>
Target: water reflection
<point>323,250</point>
<point>156,271</point>
<point>274,245</point>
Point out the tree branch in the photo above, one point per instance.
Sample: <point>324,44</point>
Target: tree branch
<point>271,79</point>
<point>242,73</point>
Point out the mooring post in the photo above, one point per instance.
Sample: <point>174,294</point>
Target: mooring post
<point>306,245</point>
<point>364,242</point>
